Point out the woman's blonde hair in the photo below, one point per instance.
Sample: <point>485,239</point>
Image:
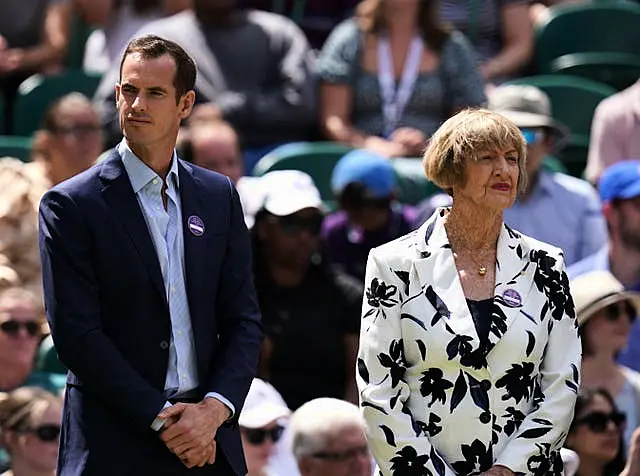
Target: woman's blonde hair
<point>19,407</point>
<point>464,137</point>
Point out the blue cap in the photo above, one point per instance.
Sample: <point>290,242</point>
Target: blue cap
<point>373,171</point>
<point>621,180</point>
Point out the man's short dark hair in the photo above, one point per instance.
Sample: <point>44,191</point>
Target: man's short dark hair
<point>152,46</point>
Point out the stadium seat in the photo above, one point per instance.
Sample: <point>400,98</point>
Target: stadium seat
<point>412,184</point>
<point>80,31</point>
<point>16,146</point>
<point>597,40</point>
<point>38,91</point>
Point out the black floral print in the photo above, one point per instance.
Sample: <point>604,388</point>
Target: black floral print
<point>477,458</point>
<point>394,361</point>
<point>433,384</point>
<point>407,462</point>
<point>554,284</point>
<point>380,295</point>
<point>518,382</point>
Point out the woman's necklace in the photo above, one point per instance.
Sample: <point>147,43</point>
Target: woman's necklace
<point>481,269</point>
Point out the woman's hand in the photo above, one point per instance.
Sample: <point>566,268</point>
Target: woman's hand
<point>384,147</point>
<point>412,140</point>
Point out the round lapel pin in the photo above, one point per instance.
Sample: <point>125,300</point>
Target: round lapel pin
<point>512,298</point>
<point>196,225</point>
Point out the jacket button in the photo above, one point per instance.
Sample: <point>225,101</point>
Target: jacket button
<point>164,345</point>
<point>485,385</point>
<point>485,417</point>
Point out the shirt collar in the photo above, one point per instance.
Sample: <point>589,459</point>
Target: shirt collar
<point>140,174</point>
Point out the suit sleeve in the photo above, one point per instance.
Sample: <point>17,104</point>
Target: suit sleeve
<point>72,301</point>
<point>543,431</point>
<point>240,329</point>
<point>389,424</point>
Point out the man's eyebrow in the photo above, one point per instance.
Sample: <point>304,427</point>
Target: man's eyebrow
<point>157,89</point>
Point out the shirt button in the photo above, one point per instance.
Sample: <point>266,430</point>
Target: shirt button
<point>164,345</point>
<point>155,181</point>
<point>173,289</point>
<point>179,333</point>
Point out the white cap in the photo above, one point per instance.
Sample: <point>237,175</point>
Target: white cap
<point>289,191</point>
<point>262,406</point>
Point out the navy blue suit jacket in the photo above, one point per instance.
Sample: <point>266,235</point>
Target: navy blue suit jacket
<point>107,308</point>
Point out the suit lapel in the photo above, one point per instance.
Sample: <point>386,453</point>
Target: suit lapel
<point>514,282</point>
<point>195,227</point>
<point>119,194</point>
<point>438,277</point>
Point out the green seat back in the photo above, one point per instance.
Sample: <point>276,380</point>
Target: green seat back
<point>619,70</point>
<point>16,146</point>
<point>315,158</point>
<point>37,92</point>
<point>586,27</point>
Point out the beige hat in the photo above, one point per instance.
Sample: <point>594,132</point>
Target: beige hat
<point>527,107</point>
<point>594,291</point>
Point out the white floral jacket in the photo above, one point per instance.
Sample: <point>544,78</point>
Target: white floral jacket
<point>436,400</point>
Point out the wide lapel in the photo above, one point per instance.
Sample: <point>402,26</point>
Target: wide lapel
<point>119,194</point>
<point>514,282</point>
<point>196,226</point>
<point>438,277</point>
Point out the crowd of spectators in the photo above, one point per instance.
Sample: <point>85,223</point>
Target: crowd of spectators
<point>378,76</point>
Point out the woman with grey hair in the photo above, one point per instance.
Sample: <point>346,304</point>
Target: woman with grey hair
<point>327,438</point>
<point>469,354</point>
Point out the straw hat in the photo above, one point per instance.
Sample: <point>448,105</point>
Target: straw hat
<point>596,290</point>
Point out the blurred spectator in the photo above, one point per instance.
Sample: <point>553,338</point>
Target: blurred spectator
<point>596,434</point>
<point>33,39</point>
<point>316,17</point>
<point>115,22</point>
<point>310,311</point>
<point>500,30</point>
<point>262,425</point>
<point>620,196</point>
<point>555,208</point>
<point>327,438</point>
<point>364,184</point>
<point>29,430</point>
<point>21,327</point>
<point>392,75</point>
<point>68,142</point>
<point>254,68</point>
<point>605,313</point>
<point>214,146</point>
<point>213,143</point>
<point>615,132</point>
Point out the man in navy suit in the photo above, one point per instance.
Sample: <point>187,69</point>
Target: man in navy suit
<point>149,293</point>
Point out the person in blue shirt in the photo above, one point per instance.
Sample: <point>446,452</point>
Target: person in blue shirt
<point>619,189</point>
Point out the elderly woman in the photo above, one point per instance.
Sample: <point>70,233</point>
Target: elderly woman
<point>29,430</point>
<point>469,353</point>
<point>606,313</point>
<point>390,77</point>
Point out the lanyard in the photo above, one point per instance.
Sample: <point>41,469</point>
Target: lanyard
<point>395,99</point>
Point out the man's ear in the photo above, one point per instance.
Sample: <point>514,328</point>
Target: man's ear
<point>304,464</point>
<point>187,102</point>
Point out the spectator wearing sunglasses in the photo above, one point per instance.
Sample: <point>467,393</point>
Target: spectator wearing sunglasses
<point>310,310</point>
<point>364,185</point>
<point>68,142</point>
<point>21,326</point>
<point>596,434</point>
<point>262,426</point>
<point>555,208</point>
<point>29,430</point>
<point>605,314</point>
<point>328,439</point>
